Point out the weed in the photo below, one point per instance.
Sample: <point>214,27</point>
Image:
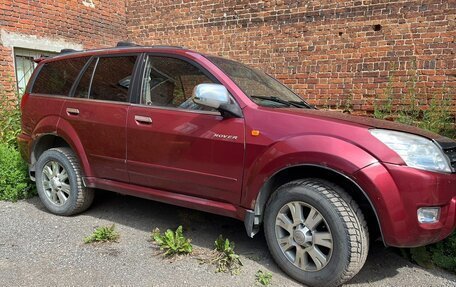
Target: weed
<point>103,234</point>
<point>172,243</point>
<point>263,278</point>
<point>226,259</point>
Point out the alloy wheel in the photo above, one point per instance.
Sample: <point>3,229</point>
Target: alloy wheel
<point>56,183</point>
<point>304,236</point>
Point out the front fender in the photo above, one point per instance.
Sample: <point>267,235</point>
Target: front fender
<point>325,151</point>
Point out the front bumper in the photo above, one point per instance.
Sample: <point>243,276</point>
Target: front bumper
<point>398,191</point>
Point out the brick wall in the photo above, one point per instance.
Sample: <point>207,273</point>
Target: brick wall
<point>330,52</point>
<point>65,22</point>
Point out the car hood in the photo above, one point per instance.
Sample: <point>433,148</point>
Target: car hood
<point>367,122</point>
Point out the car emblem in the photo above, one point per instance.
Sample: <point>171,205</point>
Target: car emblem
<point>225,137</point>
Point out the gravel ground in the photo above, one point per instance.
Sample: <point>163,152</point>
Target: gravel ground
<point>41,249</point>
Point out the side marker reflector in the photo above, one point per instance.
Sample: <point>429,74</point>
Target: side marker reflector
<point>255,133</point>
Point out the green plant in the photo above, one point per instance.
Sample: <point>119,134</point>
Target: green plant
<point>263,278</point>
<point>434,114</point>
<point>226,259</point>
<point>444,253</point>
<point>103,234</point>
<point>10,117</point>
<point>14,181</point>
<point>173,243</point>
<point>421,256</point>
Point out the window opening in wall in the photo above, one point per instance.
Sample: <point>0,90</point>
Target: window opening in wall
<point>24,65</point>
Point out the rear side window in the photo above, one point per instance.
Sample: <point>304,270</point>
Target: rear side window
<point>112,78</point>
<point>83,89</point>
<point>56,78</point>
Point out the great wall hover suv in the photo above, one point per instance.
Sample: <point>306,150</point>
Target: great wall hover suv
<point>203,132</point>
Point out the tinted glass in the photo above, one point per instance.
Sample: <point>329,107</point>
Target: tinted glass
<point>82,91</point>
<point>170,82</point>
<point>56,78</point>
<point>112,77</point>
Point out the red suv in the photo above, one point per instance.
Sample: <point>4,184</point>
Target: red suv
<point>203,132</point>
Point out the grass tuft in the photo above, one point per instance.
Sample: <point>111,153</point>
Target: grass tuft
<point>263,278</point>
<point>103,234</point>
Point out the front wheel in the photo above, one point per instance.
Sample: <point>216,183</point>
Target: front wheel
<point>59,182</point>
<point>316,232</point>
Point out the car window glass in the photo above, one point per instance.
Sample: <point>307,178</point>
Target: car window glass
<point>112,77</point>
<point>82,91</point>
<point>169,82</point>
<point>56,78</point>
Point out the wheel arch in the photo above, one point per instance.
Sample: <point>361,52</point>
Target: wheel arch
<point>254,219</point>
<point>47,141</point>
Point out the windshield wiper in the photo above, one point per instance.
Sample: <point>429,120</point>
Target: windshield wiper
<point>303,104</point>
<point>298,104</point>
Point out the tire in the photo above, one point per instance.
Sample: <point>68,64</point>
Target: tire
<point>59,182</point>
<point>326,252</point>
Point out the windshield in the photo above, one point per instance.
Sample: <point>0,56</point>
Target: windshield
<point>259,86</point>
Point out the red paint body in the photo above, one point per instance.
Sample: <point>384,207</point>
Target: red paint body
<point>177,160</point>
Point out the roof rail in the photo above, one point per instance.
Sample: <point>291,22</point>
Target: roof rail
<point>167,46</point>
<point>41,58</point>
<point>131,44</point>
<point>126,44</point>
<point>66,51</point>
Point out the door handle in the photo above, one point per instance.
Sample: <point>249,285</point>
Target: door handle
<point>143,120</point>
<point>72,111</point>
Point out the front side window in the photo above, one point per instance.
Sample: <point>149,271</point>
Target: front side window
<point>169,82</point>
<point>259,86</point>
<point>56,78</point>
<point>111,80</point>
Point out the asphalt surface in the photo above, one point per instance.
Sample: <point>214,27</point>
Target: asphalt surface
<point>41,249</point>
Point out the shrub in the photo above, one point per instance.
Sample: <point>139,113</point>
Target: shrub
<point>103,234</point>
<point>444,253</point>
<point>172,243</point>
<point>10,118</point>
<point>14,180</point>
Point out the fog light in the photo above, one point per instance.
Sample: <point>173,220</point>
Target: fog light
<point>428,214</point>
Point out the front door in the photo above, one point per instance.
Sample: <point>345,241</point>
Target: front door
<point>177,146</point>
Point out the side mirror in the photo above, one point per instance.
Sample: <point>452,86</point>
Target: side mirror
<point>216,96</point>
<point>211,95</point>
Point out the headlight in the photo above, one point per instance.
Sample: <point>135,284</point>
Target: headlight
<point>416,151</point>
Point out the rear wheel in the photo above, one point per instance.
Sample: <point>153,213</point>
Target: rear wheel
<point>316,232</point>
<point>59,182</point>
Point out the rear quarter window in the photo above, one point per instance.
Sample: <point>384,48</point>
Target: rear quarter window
<point>56,78</point>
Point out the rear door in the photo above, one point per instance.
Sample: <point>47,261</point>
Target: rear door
<point>176,145</point>
<point>48,92</point>
<point>98,112</point>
